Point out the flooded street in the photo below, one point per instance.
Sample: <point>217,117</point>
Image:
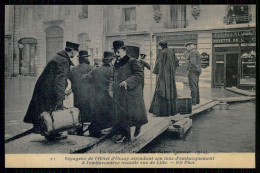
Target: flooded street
<point>230,130</point>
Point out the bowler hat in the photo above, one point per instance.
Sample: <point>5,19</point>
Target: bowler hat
<point>83,53</point>
<point>71,45</point>
<point>118,44</point>
<point>108,55</point>
<point>188,43</point>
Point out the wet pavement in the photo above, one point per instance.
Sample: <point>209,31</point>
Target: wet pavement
<point>218,130</point>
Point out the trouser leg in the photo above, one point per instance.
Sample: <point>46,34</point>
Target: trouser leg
<point>194,86</point>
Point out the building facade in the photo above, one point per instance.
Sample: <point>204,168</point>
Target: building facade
<point>40,31</point>
<point>223,34</point>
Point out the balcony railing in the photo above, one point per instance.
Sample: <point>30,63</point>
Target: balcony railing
<point>238,19</point>
<point>176,24</point>
<point>129,27</point>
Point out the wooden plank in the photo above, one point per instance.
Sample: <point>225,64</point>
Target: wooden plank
<point>154,127</point>
<point>235,99</point>
<point>239,91</point>
<point>35,143</point>
<point>203,108</point>
<point>143,140</point>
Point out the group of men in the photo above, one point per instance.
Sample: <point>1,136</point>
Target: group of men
<point>110,95</point>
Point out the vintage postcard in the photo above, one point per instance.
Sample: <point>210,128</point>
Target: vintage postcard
<point>130,86</point>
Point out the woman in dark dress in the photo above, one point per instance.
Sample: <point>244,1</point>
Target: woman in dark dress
<point>165,94</point>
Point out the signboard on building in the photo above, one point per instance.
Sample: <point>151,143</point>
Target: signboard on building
<point>204,60</point>
<point>234,37</point>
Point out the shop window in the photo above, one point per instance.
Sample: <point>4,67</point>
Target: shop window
<point>83,12</point>
<point>248,65</point>
<point>238,14</point>
<point>177,17</point>
<point>129,19</point>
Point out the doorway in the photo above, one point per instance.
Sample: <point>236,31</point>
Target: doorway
<point>54,41</point>
<point>226,69</point>
<point>231,70</point>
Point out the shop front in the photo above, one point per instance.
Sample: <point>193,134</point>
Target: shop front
<point>234,59</point>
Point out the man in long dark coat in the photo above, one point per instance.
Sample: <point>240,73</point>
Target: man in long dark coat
<point>127,93</point>
<point>165,94</point>
<point>194,71</point>
<point>82,91</point>
<point>49,91</point>
<point>143,65</point>
<point>102,105</point>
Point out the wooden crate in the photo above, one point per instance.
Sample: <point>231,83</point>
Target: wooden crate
<point>184,105</point>
<point>180,128</point>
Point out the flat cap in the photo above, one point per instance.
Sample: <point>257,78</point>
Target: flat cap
<point>188,43</point>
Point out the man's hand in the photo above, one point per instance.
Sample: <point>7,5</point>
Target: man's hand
<point>68,92</point>
<point>110,93</point>
<point>59,105</point>
<point>123,84</point>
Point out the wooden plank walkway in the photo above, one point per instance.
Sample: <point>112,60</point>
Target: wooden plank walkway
<point>149,131</point>
<point>35,143</point>
<point>242,92</point>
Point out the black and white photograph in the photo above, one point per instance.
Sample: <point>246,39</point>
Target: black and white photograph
<point>142,79</point>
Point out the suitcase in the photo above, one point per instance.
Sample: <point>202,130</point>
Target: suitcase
<point>184,105</point>
<point>60,120</point>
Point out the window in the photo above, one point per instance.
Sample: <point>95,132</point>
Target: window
<point>248,64</point>
<point>238,14</point>
<point>177,17</point>
<point>83,12</point>
<point>129,15</point>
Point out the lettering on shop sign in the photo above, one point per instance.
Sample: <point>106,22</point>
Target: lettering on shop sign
<point>234,37</point>
<point>204,60</point>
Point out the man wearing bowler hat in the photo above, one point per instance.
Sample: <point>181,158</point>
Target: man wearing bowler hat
<point>194,71</point>
<point>102,105</point>
<point>49,91</point>
<point>82,91</point>
<point>126,90</point>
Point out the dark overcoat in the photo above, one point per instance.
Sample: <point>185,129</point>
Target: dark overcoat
<point>82,91</point>
<point>102,105</point>
<point>50,87</point>
<point>129,104</point>
<point>165,94</point>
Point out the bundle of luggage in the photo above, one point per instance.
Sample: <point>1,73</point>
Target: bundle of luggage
<point>59,121</point>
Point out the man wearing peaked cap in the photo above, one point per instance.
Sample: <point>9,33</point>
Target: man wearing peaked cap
<point>143,64</point>
<point>82,91</point>
<point>49,91</point>
<point>194,71</point>
<point>127,94</point>
<point>102,106</point>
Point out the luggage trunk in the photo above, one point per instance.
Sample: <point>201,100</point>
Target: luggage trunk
<point>59,121</point>
<point>184,105</point>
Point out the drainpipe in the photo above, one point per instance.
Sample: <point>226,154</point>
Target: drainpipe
<point>12,49</point>
<point>151,64</point>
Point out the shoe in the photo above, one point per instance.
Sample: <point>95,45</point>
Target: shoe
<point>122,139</point>
<point>137,131</point>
